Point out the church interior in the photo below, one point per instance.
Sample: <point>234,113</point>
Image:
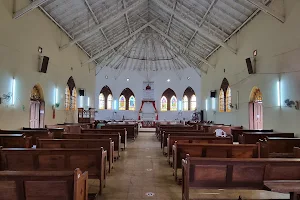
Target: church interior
<point>149,99</point>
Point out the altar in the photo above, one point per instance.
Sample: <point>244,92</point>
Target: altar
<point>148,113</point>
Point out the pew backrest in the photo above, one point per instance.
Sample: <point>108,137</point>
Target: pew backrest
<point>296,152</point>
<point>233,173</point>
<point>275,147</point>
<point>238,131</point>
<point>107,144</point>
<point>116,138</point>
<point>24,185</point>
<point>15,141</point>
<point>212,151</point>
<point>165,135</point>
<point>122,132</point>
<point>30,133</point>
<point>254,137</point>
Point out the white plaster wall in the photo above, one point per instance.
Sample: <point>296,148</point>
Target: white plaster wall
<point>19,42</point>
<point>178,83</point>
<point>278,46</point>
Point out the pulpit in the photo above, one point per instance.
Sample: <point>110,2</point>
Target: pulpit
<point>86,116</point>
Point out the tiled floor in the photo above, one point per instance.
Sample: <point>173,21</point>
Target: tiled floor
<point>143,169</point>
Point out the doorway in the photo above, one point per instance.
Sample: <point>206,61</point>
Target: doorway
<point>37,108</point>
<point>256,109</point>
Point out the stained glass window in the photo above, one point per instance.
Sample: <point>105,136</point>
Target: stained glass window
<point>173,106</point>
<point>185,103</point>
<point>132,103</point>
<point>67,98</point>
<point>193,102</point>
<point>122,103</point>
<point>74,99</point>
<point>109,102</point>
<point>163,104</point>
<point>228,99</point>
<point>221,101</point>
<point>101,101</point>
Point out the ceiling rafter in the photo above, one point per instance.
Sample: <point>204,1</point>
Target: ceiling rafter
<point>96,20</point>
<point>179,44</point>
<point>172,15</point>
<point>202,21</point>
<point>267,10</point>
<point>33,5</point>
<point>178,54</point>
<point>195,27</point>
<point>126,17</point>
<point>110,20</point>
<point>105,51</point>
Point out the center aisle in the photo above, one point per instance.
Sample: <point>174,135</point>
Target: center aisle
<point>141,169</point>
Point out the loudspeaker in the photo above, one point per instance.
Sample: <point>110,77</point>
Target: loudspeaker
<point>44,66</point>
<point>202,115</point>
<point>81,92</point>
<point>213,94</point>
<point>249,66</point>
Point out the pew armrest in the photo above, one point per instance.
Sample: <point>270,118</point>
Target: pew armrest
<point>283,186</point>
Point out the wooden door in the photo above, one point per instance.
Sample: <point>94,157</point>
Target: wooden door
<point>34,114</point>
<point>258,115</point>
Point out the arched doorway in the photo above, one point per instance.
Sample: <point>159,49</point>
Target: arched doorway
<point>255,109</point>
<point>37,107</point>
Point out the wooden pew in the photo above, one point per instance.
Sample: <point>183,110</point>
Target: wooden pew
<point>70,127</point>
<point>174,128</point>
<point>107,144</point>
<point>132,129</point>
<point>231,173</point>
<point>275,147</point>
<point>296,152</point>
<point>167,127</point>
<point>30,133</point>
<point>195,139</point>
<point>211,151</point>
<point>56,132</point>
<point>116,138</point>
<point>165,134</point>
<point>122,132</point>
<point>24,185</point>
<point>236,132</point>
<point>15,141</point>
<point>91,160</point>
<point>254,137</point>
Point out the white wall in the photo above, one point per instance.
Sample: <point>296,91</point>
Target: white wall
<point>136,85</point>
<point>278,52</point>
<point>19,42</point>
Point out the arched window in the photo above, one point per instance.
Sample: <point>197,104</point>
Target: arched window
<point>169,94</point>
<point>185,102</point>
<point>193,102</point>
<point>132,103</point>
<point>70,95</point>
<point>173,103</point>
<point>67,98</point>
<point>74,99</point>
<point>163,104</point>
<point>101,101</point>
<point>105,101</point>
<point>255,95</point>
<point>122,103</point>
<point>221,101</point>
<point>228,99</point>
<point>129,100</point>
<point>225,97</point>
<point>109,102</point>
